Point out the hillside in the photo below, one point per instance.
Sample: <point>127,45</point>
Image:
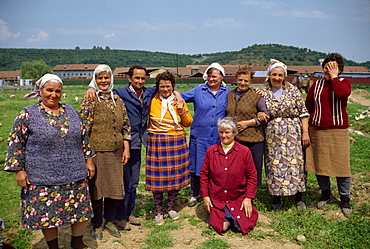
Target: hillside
<point>256,55</point>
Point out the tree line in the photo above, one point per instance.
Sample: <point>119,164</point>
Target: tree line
<point>255,55</point>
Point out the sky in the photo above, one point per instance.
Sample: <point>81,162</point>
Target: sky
<point>188,26</point>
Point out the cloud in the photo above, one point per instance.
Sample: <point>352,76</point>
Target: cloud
<point>109,36</point>
<point>315,14</point>
<point>263,4</point>
<point>42,36</point>
<point>5,33</point>
<point>141,26</point>
<point>223,22</point>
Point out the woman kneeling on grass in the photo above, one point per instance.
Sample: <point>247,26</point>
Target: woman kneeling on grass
<point>167,159</point>
<point>228,182</point>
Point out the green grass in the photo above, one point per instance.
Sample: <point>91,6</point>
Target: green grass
<point>347,233</point>
<point>214,243</point>
<point>320,231</point>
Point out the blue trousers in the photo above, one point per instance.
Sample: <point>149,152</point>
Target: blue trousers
<point>126,206</point>
<point>344,184</point>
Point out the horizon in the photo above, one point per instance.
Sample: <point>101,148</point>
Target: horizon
<point>187,27</point>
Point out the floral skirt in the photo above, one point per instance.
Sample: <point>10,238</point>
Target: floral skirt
<point>54,206</point>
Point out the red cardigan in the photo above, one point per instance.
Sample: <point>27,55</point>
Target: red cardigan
<point>227,179</point>
<point>326,102</point>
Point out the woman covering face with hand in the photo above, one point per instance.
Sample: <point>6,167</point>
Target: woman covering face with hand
<point>328,154</point>
<point>49,149</point>
<point>108,126</point>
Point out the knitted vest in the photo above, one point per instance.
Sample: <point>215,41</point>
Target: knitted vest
<point>244,109</point>
<point>106,132</point>
<point>53,159</point>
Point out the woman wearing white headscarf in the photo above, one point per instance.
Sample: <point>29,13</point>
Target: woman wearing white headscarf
<point>210,101</point>
<point>108,126</point>
<point>286,133</point>
<point>50,151</point>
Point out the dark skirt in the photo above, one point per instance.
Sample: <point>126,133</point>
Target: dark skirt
<point>54,206</point>
<point>167,163</point>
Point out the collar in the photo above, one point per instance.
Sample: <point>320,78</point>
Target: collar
<point>219,148</point>
<point>133,90</point>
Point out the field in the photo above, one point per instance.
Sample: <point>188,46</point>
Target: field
<point>322,228</point>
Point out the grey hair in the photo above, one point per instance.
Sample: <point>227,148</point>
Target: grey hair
<point>227,123</point>
<point>103,68</point>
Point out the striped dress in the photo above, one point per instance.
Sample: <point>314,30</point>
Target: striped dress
<point>167,159</point>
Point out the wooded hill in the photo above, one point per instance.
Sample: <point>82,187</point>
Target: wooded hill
<point>256,55</point>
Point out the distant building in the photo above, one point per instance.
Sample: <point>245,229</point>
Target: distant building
<point>75,71</point>
<point>122,72</point>
<point>10,77</point>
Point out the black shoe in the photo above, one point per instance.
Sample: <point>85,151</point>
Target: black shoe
<point>276,206</point>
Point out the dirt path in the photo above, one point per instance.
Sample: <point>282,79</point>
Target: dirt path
<point>359,96</point>
<point>186,237</point>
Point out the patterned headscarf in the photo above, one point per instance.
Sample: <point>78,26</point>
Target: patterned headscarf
<point>99,69</point>
<point>41,83</point>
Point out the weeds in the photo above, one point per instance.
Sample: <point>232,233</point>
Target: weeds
<point>214,243</point>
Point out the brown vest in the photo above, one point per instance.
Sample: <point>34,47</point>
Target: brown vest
<point>106,132</point>
<point>244,109</point>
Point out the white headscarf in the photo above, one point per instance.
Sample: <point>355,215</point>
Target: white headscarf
<point>217,66</point>
<point>167,104</point>
<point>275,63</point>
<point>99,69</point>
<point>41,83</point>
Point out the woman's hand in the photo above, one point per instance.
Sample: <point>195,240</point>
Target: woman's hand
<point>262,117</point>
<point>22,179</point>
<point>90,94</point>
<point>305,136</point>
<point>305,140</point>
<point>242,125</point>
<point>125,156</point>
<point>258,91</point>
<point>90,166</point>
<point>247,205</point>
<point>207,203</point>
<point>333,70</point>
<point>179,101</point>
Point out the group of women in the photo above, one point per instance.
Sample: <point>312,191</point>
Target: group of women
<point>230,132</point>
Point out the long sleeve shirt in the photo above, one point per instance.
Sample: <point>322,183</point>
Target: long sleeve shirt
<point>326,102</point>
<point>208,109</point>
<point>167,125</point>
<point>18,137</point>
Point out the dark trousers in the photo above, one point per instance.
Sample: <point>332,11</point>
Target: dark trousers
<point>131,180</point>
<point>257,150</point>
<point>194,185</point>
<point>344,184</point>
<point>110,206</point>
